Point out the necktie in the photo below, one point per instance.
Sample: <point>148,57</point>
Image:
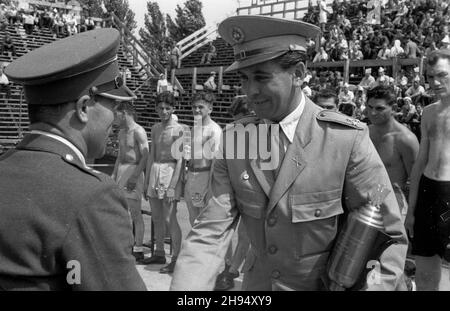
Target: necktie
<point>277,142</point>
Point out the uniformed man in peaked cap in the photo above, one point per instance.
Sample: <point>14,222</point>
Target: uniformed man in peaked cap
<point>291,212</point>
<point>64,226</point>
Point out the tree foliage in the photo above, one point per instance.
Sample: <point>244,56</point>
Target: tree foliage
<point>119,7</point>
<point>189,19</point>
<point>154,34</point>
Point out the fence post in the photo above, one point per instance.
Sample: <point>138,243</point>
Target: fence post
<point>395,68</point>
<point>346,70</point>
<point>220,84</point>
<point>194,80</point>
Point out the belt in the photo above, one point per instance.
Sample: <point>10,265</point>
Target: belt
<point>199,169</point>
<point>167,161</point>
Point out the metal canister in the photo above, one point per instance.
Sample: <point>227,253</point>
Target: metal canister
<point>353,246</point>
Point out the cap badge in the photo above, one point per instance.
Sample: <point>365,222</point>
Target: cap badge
<point>237,34</point>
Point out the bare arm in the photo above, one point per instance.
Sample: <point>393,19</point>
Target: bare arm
<point>116,165</point>
<point>141,139</point>
<point>151,159</point>
<point>409,150</point>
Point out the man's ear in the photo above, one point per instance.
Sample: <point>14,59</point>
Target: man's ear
<point>81,108</point>
<point>300,70</point>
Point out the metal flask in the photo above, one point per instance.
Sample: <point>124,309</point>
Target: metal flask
<point>356,242</point>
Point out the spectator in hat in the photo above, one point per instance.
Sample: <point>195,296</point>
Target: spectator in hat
<point>346,96</point>
<point>416,90</point>
<point>368,80</point>
<point>78,229</point>
<point>210,84</point>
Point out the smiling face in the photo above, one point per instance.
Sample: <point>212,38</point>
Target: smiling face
<point>201,109</point>
<point>269,89</point>
<point>379,112</point>
<point>164,111</point>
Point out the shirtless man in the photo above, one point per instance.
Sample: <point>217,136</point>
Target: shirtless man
<point>429,197</point>
<point>129,169</point>
<point>396,144</point>
<point>206,136</point>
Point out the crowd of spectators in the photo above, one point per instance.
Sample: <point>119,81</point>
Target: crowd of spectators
<point>377,29</point>
<point>327,88</point>
<point>61,22</point>
<point>403,29</point>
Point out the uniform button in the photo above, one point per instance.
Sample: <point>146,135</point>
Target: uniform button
<point>272,221</point>
<point>318,213</point>
<point>322,115</point>
<point>273,249</point>
<point>69,157</point>
<point>276,274</point>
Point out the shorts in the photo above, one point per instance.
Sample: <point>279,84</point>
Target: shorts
<point>124,172</point>
<point>160,178</point>
<point>432,218</point>
<point>196,188</point>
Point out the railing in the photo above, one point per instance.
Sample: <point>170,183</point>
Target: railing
<point>395,63</point>
<point>139,53</point>
<point>196,40</point>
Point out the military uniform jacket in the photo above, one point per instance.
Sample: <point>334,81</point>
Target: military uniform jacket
<point>292,221</point>
<point>62,226</point>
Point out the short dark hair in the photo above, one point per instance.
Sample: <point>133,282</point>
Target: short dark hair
<point>326,93</point>
<point>204,96</point>
<point>291,59</point>
<point>45,113</point>
<point>127,107</point>
<point>165,97</point>
<point>383,92</point>
<point>434,56</point>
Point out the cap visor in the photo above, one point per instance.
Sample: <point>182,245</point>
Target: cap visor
<point>250,61</point>
<point>121,94</point>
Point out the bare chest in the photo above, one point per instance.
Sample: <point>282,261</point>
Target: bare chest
<point>387,148</point>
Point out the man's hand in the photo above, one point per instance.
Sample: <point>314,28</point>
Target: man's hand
<point>170,194</point>
<point>409,225</point>
<point>131,183</point>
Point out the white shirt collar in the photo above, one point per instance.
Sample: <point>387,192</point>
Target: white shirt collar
<point>65,142</point>
<point>289,124</point>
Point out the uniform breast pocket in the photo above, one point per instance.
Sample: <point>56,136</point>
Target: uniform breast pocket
<point>314,220</point>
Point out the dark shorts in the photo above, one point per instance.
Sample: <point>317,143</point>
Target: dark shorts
<point>432,219</point>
